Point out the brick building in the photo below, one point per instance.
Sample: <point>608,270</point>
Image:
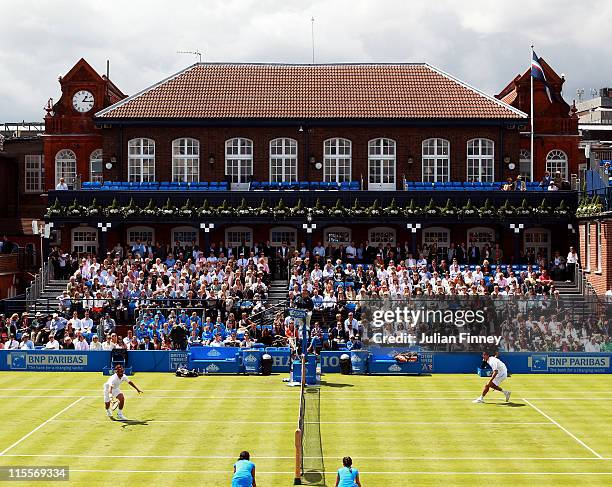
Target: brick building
<point>251,135</point>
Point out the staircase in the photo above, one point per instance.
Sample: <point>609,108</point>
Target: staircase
<point>46,302</point>
<point>277,292</point>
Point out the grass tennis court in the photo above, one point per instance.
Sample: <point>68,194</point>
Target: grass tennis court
<point>399,430</point>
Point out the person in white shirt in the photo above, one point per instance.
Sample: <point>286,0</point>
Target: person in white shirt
<point>571,261</point>
<point>95,345</point>
<point>108,344</point>
<point>62,186</point>
<point>500,373</point>
<point>80,343</point>
<point>11,343</point>
<point>112,387</point>
<point>52,344</point>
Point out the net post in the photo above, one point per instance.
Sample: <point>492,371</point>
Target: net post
<point>297,479</point>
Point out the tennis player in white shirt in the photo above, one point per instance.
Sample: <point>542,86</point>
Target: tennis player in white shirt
<point>500,373</point>
<point>112,387</point>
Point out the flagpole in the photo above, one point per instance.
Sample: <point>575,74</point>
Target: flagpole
<point>531,176</point>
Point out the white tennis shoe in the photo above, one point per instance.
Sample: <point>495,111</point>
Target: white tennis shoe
<point>121,416</point>
<point>507,394</point>
<point>478,401</point>
<point>109,413</point>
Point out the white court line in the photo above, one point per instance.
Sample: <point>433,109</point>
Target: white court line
<point>214,421</point>
<point>325,389</point>
<point>225,472</point>
<point>563,429</point>
<point>327,399</point>
<point>264,457</point>
<point>40,426</point>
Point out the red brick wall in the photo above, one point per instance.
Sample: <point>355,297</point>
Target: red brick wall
<point>600,280</point>
<point>212,142</point>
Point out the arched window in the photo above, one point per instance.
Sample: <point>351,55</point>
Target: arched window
<point>141,160</point>
<point>436,160</point>
<point>525,164</point>
<point>480,159</point>
<point>381,235</point>
<point>283,160</point>
<point>556,161</point>
<point>95,166</point>
<point>65,167</point>
<point>480,236</point>
<point>185,160</point>
<point>144,234</point>
<point>278,235</point>
<point>85,240</point>
<point>337,160</point>
<point>239,161</point>
<point>336,236</point>
<point>381,164</point>
<point>236,236</point>
<point>438,236</point>
<point>538,241</point>
<point>186,236</point>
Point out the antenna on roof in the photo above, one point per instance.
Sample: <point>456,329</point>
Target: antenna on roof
<point>312,37</point>
<point>195,53</point>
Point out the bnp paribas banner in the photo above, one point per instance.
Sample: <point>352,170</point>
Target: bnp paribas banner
<point>41,360</point>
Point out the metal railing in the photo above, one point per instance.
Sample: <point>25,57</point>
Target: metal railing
<point>37,287</point>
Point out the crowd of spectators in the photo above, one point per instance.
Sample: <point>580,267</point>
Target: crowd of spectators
<point>179,296</point>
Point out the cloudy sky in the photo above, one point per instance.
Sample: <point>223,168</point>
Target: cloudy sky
<point>484,42</point>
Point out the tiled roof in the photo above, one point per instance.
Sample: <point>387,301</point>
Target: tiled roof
<point>286,91</point>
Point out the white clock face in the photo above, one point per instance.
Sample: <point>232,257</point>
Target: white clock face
<point>83,101</point>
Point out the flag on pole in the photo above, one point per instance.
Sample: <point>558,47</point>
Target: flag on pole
<point>538,73</point>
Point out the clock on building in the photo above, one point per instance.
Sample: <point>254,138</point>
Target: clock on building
<point>83,101</point>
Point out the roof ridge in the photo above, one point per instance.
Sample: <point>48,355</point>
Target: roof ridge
<point>476,90</point>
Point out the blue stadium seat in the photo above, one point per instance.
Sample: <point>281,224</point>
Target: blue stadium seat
<point>345,186</point>
<point>304,185</point>
<point>256,186</point>
<point>294,185</point>
<point>323,185</point>
<point>285,185</point>
<point>223,186</point>
<point>275,186</point>
<point>265,185</point>
<point>86,185</point>
<point>314,185</point>
<point>354,186</point>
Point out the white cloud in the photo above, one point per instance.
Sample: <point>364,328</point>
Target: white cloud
<point>483,42</point>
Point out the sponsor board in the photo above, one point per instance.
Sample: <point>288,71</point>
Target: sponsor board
<point>212,368</point>
<point>177,358</point>
<point>52,361</point>
<point>569,364</point>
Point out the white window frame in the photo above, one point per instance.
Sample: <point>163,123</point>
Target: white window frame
<point>337,160</point>
<point>185,229</point>
<point>141,160</point>
<point>373,239</point>
<point>292,242</point>
<point>283,160</point>
<point>587,246</point>
<point>382,164</point>
<point>442,245</point>
<point>332,230</point>
<point>525,164</point>
<point>480,160</point>
<point>480,230</point>
<point>34,177</point>
<point>556,161</point>
<point>186,160</point>
<point>130,238</point>
<point>91,243</point>
<point>231,243</point>
<point>65,167</point>
<point>598,246</point>
<point>239,161</point>
<point>96,157</point>
<point>435,164</point>
<point>537,245</point>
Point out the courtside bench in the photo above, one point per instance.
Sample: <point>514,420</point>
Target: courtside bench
<point>380,363</point>
<point>215,360</point>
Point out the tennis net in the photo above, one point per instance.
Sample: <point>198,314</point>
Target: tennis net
<point>309,450</point>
